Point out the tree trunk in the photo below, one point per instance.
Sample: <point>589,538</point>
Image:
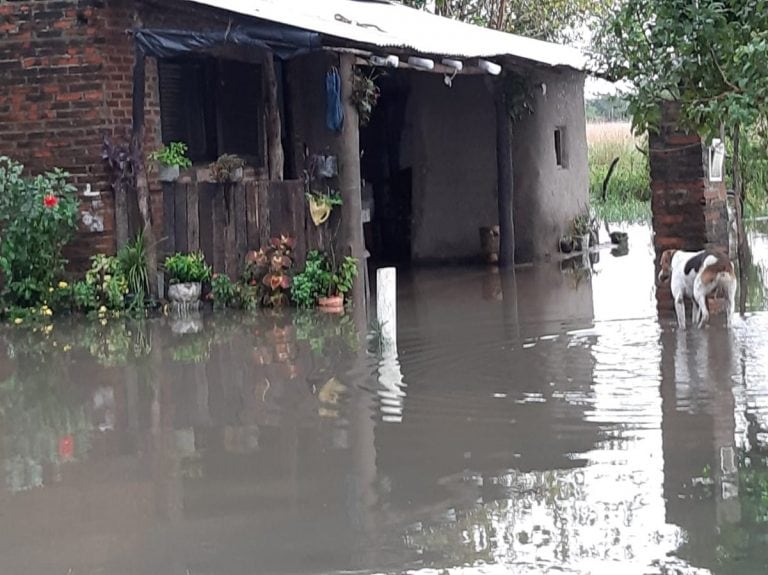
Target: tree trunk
<point>121,188</point>
<point>505,181</point>
<point>738,189</point>
<point>349,180</point>
<point>137,153</point>
<point>274,128</point>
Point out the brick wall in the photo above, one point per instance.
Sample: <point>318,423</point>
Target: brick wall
<point>66,74</point>
<point>689,211</point>
<point>53,103</point>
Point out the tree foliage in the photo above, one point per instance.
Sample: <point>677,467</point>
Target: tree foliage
<point>708,55</point>
<point>556,20</point>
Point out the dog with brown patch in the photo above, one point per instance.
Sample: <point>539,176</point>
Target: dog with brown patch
<point>696,275</point>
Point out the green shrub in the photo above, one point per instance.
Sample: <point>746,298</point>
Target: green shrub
<point>174,154</point>
<point>108,282</point>
<point>133,263</point>
<point>187,268</point>
<point>223,291</point>
<point>38,216</point>
<point>313,282</point>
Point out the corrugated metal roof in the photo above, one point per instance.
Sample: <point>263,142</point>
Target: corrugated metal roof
<point>392,25</point>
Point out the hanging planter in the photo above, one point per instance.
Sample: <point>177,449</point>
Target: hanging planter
<point>321,206</point>
<point>365,95</point>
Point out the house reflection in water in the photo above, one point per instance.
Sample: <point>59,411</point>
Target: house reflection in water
<point>525,435</point>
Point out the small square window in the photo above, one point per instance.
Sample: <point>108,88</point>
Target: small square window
<point>561,150</point>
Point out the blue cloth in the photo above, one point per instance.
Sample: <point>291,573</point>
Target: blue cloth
<point>334,113</point>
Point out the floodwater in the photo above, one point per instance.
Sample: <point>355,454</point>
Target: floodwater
<point>541,422</point>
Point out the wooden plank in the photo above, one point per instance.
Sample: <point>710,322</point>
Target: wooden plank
<point>219,230</point>
<point>265,222</point>
<point>230,250</point>
<point>193,217</point>
<point>252,214</point>
<point>169,219</point>
<point>180,229</point>
<point>241,223</point>
<point>138,102</point>
<point>274,123</point>
<point>298,213</point>
<point>205,211</point>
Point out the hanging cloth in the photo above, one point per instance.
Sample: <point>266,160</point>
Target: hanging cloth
<point>334,114</point>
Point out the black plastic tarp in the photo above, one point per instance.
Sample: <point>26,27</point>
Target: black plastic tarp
<point>284,41</point>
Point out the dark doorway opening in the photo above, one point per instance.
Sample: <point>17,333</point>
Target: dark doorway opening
<point>387,188</point>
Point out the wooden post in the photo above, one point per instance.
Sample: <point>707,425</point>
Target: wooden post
<point>274,128</point>
<point>505,181</point>
<point>386,306</point>
<point>121,188</point>
<point>349,179</point>
<point>137,153</point>
<point>390,376</point>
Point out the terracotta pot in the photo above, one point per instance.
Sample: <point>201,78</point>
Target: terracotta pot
<point>333,303</point>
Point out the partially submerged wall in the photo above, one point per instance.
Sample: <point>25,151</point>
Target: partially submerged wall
<point>450,142</point>
<point>689,211</point>
<point>547,195</point>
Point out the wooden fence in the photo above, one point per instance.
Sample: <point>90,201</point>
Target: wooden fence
<point>225,221</point>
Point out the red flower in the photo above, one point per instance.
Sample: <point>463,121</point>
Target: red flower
<point>50,201</point>
<point>66,447</point>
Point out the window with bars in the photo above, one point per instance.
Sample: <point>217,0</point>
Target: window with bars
<point>214,106</point>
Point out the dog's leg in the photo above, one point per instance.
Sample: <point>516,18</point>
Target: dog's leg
<point>731,295</point>
<point>700,296</point>
<point>694,312</point>
<point>680,311</point>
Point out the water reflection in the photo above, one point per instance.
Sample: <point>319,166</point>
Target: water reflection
<point>529,422</point>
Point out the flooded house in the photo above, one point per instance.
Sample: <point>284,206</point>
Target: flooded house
<point>428,129</point>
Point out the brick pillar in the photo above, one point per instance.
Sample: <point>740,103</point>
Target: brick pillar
<point>689,211</point>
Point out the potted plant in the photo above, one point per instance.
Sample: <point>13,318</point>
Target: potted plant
<point>186,273</point>
<point>270,269</point>
<point>169,159</point>
<point>365,95</point>
<point>581,230</point>
<point>321,205</point>
<point>342,278</point>
<point>227,169</point>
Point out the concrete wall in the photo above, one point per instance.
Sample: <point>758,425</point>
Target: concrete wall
<point>450,142</point>
<point>547,196</point>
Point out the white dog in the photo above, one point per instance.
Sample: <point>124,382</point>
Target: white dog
<point>695,275</point>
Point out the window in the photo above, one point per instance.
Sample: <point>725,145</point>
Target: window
<point>561,151</point>
<point>214,106</point>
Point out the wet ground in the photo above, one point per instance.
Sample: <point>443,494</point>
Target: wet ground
<point>541,422</point>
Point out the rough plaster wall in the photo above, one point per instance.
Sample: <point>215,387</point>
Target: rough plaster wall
<point>547,197</point>
<point>451,139</point>
<point>306,89</point>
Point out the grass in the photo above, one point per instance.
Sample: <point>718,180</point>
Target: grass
<point>629,190</point>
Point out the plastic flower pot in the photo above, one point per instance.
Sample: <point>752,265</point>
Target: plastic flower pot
<point>185,293</point>
<point>168,173</point>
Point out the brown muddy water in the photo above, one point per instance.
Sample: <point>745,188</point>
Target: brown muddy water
<point>541,422</point>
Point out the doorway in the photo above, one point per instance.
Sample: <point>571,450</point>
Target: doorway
<point>387,188</point>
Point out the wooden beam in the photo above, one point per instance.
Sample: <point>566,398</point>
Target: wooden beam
<point>505,180</point>
<point>275,154</point>
<point>137,153</point>
<point>348,146</point>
